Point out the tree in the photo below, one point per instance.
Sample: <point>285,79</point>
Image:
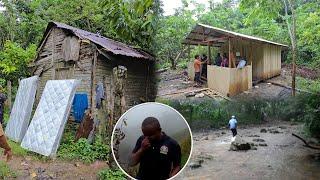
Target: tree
<point>292,33</point>
<point>14,60</point>
<point>172,30</point>
<point>272,10</point>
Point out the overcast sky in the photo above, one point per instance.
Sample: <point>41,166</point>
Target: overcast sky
<point>170,5</point>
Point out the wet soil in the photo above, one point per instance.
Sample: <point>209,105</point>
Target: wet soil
<point>283,156</point>
<point>29,168</point>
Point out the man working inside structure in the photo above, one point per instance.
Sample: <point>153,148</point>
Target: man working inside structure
<point>158,154</point>
<point>3,140</point>
<point>197,67</point>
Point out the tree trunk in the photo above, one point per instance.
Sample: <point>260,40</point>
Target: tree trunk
<point>292,33</point>
<point>173,63</point>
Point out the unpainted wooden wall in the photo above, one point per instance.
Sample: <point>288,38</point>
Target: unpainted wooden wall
<point>137,84</point>
<point>50,64</point>
<point>229,81</point>
<point>264,58</point>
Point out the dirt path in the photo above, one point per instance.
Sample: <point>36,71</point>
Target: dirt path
<point>284,157</point>
<point>28,168</point>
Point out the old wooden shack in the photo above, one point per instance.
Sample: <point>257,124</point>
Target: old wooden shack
<point>263,58</point>
<point>66,52</point>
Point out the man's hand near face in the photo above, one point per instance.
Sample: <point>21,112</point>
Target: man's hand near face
<point>135,157</point>
<point>145,144</point>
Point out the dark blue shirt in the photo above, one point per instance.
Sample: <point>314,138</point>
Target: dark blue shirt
<point>157,161</point>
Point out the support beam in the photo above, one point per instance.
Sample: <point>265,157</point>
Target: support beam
<point>209,53</point>
<point>210,39</point>
<point>229,53</point>
<point>93,78</point>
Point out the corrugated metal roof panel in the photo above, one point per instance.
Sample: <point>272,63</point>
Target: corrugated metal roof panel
<point>108,44</point>
<point>230,33</point>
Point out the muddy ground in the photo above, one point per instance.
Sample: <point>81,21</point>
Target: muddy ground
<point>175,81</point>
<point>29,168</point>
<point>278,155</point>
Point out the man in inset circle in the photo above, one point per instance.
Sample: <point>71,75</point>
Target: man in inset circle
<point>158,154</point>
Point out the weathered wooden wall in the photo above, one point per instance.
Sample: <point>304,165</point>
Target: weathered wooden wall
<point>229,81</point>
<point>51,65</point>
<point>137,81</point>
<point>272,61</point>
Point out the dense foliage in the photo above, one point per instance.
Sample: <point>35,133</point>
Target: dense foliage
<point>261,18</point>
<point>109,174</point>
<point>23,23</point>
<point>70,149</point>
<point>304,108</point>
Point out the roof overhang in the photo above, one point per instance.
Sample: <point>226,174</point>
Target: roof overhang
<point>107,44</point>
<point>206,35</point>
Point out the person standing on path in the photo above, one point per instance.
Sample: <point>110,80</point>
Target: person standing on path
<point>233,125</point>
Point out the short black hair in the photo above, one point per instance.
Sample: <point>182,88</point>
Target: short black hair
<point>196,56</point>
<point>154,122</point>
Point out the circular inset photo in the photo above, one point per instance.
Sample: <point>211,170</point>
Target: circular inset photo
<point>151,141</point>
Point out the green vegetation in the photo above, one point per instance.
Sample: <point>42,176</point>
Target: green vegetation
<point>109,174</point>
<point>6,172</point>
<point>261,18</point>
<point>212,114</point>
<point>185,145</point>
<point>308,85</point>
<point>17,150</point>
<point>23,24</point>
<point>82,149</point>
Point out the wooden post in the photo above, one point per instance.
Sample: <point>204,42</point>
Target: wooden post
<point>53,73</point>
<point>110,98</point>
<point>251,57</point>
<point>93,80</point>
<point>209,53</point>
<point>229,52</point>
<point>147,81</point>
<point>9,86</point>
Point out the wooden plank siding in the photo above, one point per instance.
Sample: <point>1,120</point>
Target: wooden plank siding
<point>47,54</point>
<point>137,84</point>
<point>265,58</point>
<point>229,81</point>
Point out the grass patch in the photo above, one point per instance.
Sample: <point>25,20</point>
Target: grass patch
<point>82,150</point>
<point>109,174</point>
<point>17,150</point>
<point>6,172</point>
<point>208,114</point>
<point>308,84</point>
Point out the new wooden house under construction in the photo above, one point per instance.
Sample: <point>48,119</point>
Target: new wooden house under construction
<point>263,58</point>
<point>67,52</point>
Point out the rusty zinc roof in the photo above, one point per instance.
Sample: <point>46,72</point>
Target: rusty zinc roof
<point>107,44</point>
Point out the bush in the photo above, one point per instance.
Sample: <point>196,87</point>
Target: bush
<point>82,150</point>
<point>308,85</point>
<point>6,172</point>
<point>109,174</point>
<point>213,114</point>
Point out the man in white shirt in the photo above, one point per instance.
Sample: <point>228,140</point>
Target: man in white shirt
<point>233,125</point>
